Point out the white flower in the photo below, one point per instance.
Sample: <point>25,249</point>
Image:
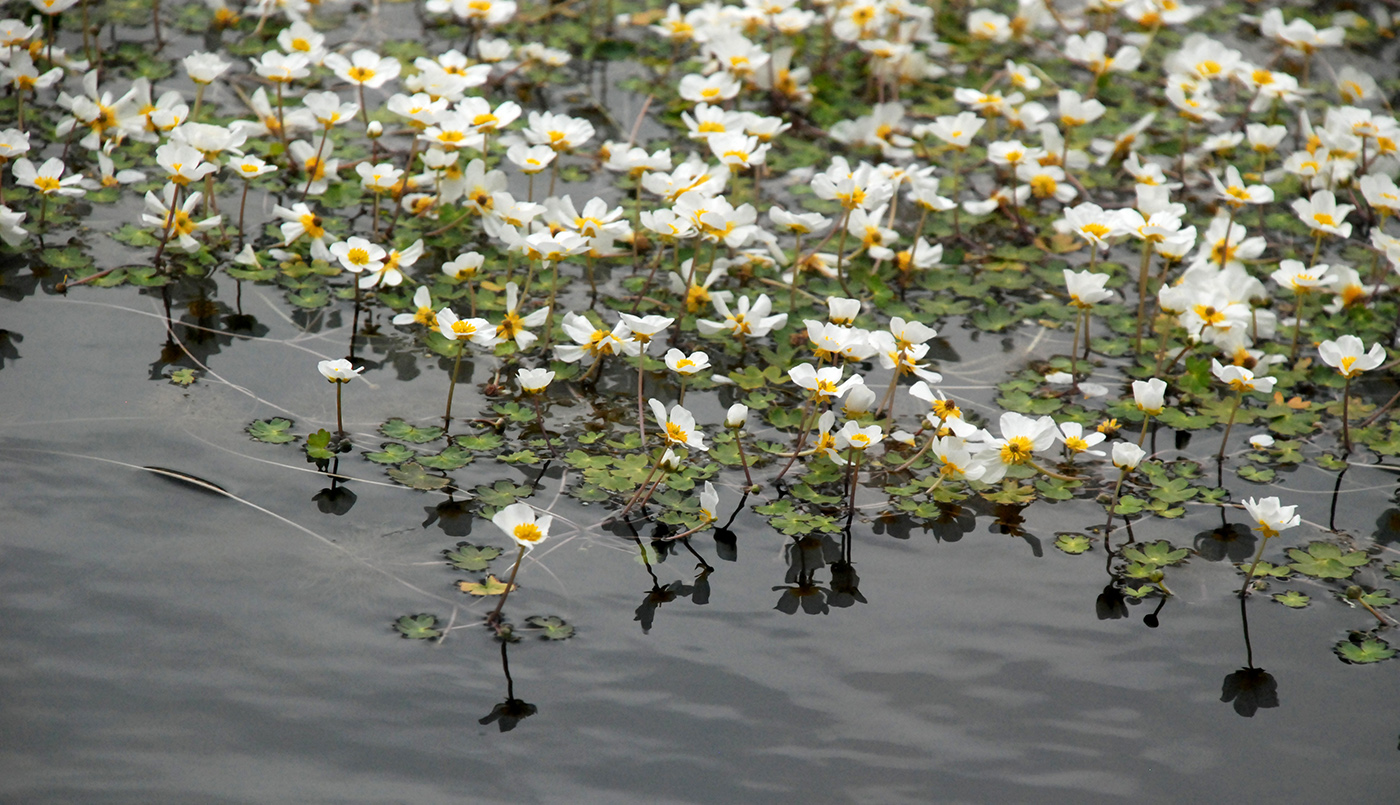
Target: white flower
<point>519,522</point>
<point>686,365</point>
<point>679,427</point>
<point>1127,456</point>
<point>1346,356</point>
<point>1150,395</point>
<point>745,320</point>
<point>1072,433</point>
<point>479,331</point>
<point>1086,288</point>
<point>358,254</point>
<point>1241,379</point>
<point>533,381</point>
<point>1261,441</point>
<point>1322,213</point>
<point>339,371</point>
<point>1270,518</point>
<point>47,178</point>
<point>736,416</point>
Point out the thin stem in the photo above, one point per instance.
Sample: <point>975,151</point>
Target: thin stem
<point>495,615</point>
<point>1346,420</point>
<point>539,417</point>
<point>743,460</point>
<point>452,388</point>
<point>1230,423</point>
<point>1249,577</point>
<point>339,420</point>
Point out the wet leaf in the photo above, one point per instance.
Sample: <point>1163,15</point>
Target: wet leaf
<point>1292,599</point>
<point>453,458</point>
<point>391,453</point>
<point>501,494</point>
<point>398,429</point>
<point>1073,544</point>
<point>1256,474</point>
<point>471,557</point>
<point>183,377</point>
<point>554,627</point>
<point>415,476</point>
<point>520,457</point>
<point>1157,554</point>
<point>318,446</point>
<point>491,586</point>
<point>480,441</point>
<point>273,431</point>
<point>1360,651</point>
<point>418,627</point>
<point>1323,560</point>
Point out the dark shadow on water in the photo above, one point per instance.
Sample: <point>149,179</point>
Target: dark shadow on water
<point>508,714</point>
<point>1249,689</point>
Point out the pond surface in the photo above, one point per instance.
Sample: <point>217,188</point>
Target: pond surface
<point>167,643</point>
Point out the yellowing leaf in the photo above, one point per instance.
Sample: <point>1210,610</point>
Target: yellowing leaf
<point>492,586</point>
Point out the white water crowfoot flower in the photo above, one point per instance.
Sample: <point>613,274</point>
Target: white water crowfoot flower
<point>339,372</point>
<point>1346,356</point>
<point>358,255</point>
<point>180,223</point>
<point>1150,398</point>
<point>519,522</point>
<point>1127,456</point>
<point>1021,438</point>
<point>1323,214</point>
<point>679,427</point>
<point>745,320</point>
<point>1076,441</point>
<point>1241,380</point>
<point>1270,518</point>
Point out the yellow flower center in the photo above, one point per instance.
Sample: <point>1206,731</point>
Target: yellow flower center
<point>360,75</point>
<point>528,532</point>
<point>47,184</point>
<point>1017,450</point>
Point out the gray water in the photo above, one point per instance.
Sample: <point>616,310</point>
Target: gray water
<point>163,643</point>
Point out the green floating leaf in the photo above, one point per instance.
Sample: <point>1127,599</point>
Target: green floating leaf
<point>318,446</point>
<point>580,460</point>
<point>553,626</point>
<point>1073,544</point>
<point>1157,554</point>
<point>520,457</point>
<point>471,557</point>
<point>415,476</point>
<point>501,494</point>
<point>398,429</point>
<point>1323,560</point>
<point>1375,598</point>
<point>418,627</point>
<point>491,586</point>
<point>480,441</point>
<point>1292,599</point>
<point>1357,651</point>
<point>273,431</point>
<point>1256,474</point>
<point>183,377</point>
<point>391,453</point>
<point>453,458</point>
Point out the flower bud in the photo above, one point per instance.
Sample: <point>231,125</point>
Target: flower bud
<point>1150,395</point>
<point>1127,456</point>
<point>737,416</point>
<point>374,130</point>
